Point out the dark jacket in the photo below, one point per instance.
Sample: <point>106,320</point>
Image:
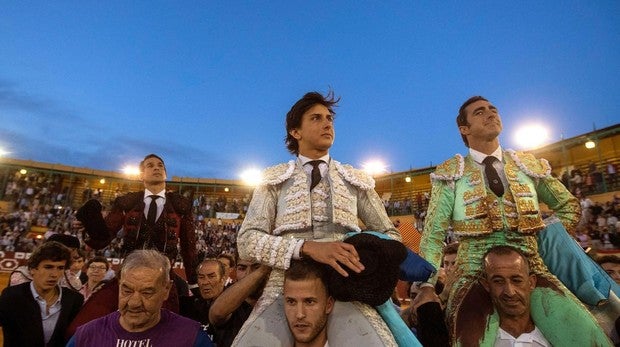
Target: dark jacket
<point>175,226</point>
<point>20,317</point>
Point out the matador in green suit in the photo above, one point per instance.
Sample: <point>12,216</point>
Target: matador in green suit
<point>495,201</point>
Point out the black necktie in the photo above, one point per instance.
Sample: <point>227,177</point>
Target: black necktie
<point>316,173</point>
<point>495,183</point>
<point>152,213</point>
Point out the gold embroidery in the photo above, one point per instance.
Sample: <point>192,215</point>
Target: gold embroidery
<point>521,189</point>
<point>526,207</point>
<point>471,196</point>
<point>529,224</point>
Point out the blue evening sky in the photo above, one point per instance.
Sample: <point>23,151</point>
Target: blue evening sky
<point>207,84</point>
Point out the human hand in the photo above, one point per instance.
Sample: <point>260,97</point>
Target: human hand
<point>76,225</point>
<point>426,294</point>
<point>334,254</point>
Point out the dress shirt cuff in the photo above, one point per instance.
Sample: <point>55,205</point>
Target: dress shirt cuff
<point>297,250</point>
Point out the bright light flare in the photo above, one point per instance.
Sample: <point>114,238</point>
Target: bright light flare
<point>374,167</point>
<point>3,152</point>
<point>531,136</point>
<point>131,170</point>
<point>590,144</point>
<point>252,177</point>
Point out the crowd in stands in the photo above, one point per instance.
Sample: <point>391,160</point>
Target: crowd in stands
<point>597,179</point>
<point>208,206</point>
<point>600,224</point>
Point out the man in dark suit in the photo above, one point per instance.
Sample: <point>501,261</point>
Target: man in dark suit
<point>37,313</point>
<point>150,219</point>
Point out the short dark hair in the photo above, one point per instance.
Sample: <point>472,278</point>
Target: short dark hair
<point>148,157</point>
<point>294,115</point>
<point>98,259</point>
<point>608,259</point>
<point>461,118</point>
<point>230,257</point>
<point>220,266</point>
<point>504,250</point>
<point>451,248</point>
<point>50,250</point>
<point>304,269</point>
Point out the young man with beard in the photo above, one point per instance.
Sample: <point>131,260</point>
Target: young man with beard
<point>307,303</point>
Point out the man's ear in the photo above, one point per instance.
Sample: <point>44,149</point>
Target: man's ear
<point>533,280</point>
<point>464,129</point>
<point>295,134</point>
<point>485,283</point>
<point>330,305</point>
<point>167,289</point>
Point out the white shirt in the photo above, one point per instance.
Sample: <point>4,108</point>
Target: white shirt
<point>160,202</point>
<point>498,165</point>
<point>534,338</point>
<point>49,319</point>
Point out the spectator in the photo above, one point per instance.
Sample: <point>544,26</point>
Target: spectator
<point>233,307</point>
<point>228,261</point>
<point>611,265</point>
<point>211,277</point>
<point>140,320</point>
<point>37,313</point>
<point>22,274</point>
<point>96,269</point>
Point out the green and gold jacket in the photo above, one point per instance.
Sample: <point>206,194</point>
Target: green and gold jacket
<point>461,200</point>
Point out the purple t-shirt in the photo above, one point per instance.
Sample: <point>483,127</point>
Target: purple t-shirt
<point>172,330</point>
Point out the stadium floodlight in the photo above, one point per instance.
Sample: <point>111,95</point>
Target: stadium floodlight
<point>252,177</point>
<point>102,181</point>
<point>530,136</point>
<point>23,171</point>
<point>408,179</point>
<point>131,170</point>
<point>374,167</point>
<point>590,144</point>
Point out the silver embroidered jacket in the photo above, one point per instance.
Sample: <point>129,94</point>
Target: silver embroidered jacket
<point>284,212</point>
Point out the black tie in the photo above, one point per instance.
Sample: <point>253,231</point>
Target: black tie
<point>152,213</point>
<point>316,173</point>
<point>495,183</point>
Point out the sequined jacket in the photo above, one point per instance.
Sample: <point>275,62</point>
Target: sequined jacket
<point>280,215</point>
<point>461,199</point>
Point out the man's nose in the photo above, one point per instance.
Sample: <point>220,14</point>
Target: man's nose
<point>509,289</point>
<point>301,312</point>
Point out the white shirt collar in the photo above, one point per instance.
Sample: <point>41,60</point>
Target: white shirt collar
<point>305,160</point>
<point>479,156</point>
<point>147,193</point>
<point>39,298</point>
<point>533,338</point>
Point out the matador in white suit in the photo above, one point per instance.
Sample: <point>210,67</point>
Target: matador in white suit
<point>304,208</point>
